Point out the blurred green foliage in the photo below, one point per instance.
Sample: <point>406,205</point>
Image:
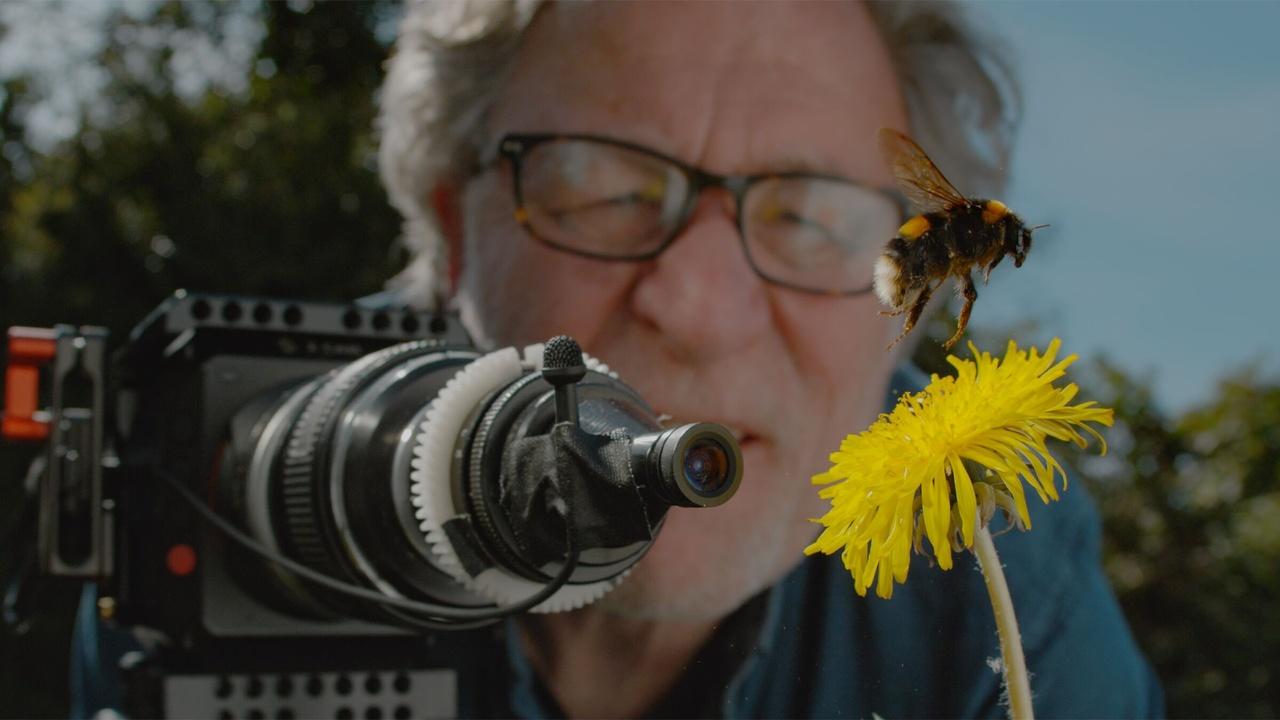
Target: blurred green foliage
<point>1191,525</point>
<point>272,190</point>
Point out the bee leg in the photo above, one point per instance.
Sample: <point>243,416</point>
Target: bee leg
<point>970,293</point>
<point>913,314</point>
<point>986,271</point>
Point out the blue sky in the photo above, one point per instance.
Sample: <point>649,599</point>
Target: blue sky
<point>1151,142</point>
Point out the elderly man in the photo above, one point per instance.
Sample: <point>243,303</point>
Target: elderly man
<point>693,191</point>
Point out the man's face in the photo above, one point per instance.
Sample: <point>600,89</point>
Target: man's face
<point>734,88</point>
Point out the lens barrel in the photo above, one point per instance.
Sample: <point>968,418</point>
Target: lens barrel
<point>695,465</point>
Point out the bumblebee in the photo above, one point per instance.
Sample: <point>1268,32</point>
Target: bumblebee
<point>951,237</point>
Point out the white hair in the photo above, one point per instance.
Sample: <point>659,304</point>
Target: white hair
<point>452,56</point>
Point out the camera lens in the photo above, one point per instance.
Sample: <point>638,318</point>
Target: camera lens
<point>696,465</point>
<point>706,466</point>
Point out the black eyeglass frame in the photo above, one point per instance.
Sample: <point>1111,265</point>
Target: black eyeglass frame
<point>515,146</point>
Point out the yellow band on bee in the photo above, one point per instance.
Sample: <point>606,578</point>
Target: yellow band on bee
<point>993,211</point>
<point>914,228</point>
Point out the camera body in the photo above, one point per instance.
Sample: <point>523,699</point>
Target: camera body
<point>210,643</point>
<point>189,368</point>
<point>381,479</point>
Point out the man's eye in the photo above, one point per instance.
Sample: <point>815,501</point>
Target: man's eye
<point>627,201</point>
<point>802,228</point>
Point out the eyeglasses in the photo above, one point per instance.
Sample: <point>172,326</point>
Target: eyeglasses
<point>613,200</point>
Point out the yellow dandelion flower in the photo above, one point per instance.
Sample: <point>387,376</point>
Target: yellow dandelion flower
<point>906,477</point>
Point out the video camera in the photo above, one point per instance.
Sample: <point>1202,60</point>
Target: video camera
<point>299,508</point>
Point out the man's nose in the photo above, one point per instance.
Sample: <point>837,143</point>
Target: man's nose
<point>702,292</point>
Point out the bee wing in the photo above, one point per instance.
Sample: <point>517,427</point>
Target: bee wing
<point>918,178</point>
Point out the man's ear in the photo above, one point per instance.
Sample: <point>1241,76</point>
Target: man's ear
<point>447,202</point>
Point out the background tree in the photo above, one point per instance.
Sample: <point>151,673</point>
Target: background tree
<point>1192,543</point>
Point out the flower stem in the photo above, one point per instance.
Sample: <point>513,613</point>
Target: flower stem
<point>1015,665</point>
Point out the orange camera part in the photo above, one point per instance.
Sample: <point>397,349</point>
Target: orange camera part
<point>29,350</point>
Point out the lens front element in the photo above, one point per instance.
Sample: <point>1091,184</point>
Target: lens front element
<point>706,467</point>
<point>696,465</point>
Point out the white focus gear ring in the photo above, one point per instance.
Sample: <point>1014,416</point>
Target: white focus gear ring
<point>431,479</point>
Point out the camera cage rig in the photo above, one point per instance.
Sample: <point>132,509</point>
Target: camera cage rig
<point>79,416</point>
<point>59,391</point>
